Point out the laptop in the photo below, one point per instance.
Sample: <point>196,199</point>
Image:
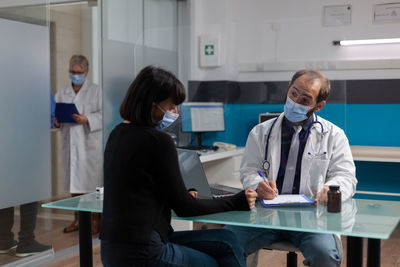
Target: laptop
<point>194,176</point>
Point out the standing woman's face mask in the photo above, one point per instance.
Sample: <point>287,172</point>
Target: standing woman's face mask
<point>77,79</point>
<point>77,74</point>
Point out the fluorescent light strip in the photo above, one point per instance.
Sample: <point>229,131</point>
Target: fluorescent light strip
<point>367,42</point>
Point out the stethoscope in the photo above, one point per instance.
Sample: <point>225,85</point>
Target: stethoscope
<point>266,165</point>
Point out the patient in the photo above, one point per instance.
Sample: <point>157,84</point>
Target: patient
<point>142,184</point>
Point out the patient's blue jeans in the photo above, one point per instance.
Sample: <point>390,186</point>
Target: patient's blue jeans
<point>317,249</point>
<point>214,247</point>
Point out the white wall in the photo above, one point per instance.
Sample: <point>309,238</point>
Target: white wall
<point>246,28</point>
<point>126,24</point>
<point>67,23</point>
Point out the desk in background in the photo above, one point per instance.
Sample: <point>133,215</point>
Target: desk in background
<point>372,164</point>
<point>376,153</point>
<point>372,219</point>
<point>221,166</point>
<point>224,167</point>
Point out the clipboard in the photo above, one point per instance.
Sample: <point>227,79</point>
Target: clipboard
<point>64,112</point>
<point>287,200</point>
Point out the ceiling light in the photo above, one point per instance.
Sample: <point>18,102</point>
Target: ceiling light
<point>367,41</point>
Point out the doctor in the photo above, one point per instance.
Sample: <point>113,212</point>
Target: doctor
<point>299,153</point>
<point>81,141</point>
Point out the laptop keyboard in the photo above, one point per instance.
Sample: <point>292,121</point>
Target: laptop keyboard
<point>220,192</point>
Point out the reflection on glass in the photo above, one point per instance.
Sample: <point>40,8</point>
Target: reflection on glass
<point>342,221</point>
<point>311,217</point>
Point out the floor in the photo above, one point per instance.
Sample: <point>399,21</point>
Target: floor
<point>49,231</point>
<point>49,225</point>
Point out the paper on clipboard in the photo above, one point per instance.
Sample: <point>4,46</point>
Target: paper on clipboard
<point>287,200</point>
<point>64,112</point>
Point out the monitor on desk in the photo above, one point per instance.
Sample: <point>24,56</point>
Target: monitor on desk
<point>267,116</point>
<point>202,117</point>
<point>199,117</point>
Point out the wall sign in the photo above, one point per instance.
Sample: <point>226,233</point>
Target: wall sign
<point>210,50</point>
<point>386,13</point>
<point>336,15</point>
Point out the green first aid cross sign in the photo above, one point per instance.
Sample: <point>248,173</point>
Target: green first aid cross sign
<point>209,50</point>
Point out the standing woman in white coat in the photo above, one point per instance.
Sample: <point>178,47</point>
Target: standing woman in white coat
<point>81,141</point>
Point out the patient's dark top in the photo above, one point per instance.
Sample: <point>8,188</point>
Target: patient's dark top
<point>142,183</point>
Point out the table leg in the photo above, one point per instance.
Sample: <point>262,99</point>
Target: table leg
<point>354,251</point>
<point>291,259</point>
<point>85,239</point>
<point>374,253</point>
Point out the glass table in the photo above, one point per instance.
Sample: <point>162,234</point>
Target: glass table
<point>359,218</point>
<point>85,205</point>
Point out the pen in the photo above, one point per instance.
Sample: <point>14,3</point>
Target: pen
<point>262,176</point>
<point>265,180</point>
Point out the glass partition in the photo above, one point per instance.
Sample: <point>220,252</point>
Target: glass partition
<point>39,40</point>
<point>25,143</point>
<point>135,34</point>
<point>25,106</point>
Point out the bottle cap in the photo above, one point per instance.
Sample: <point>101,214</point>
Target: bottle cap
<point>334,187</point>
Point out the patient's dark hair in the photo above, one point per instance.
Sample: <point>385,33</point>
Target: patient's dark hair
<point>152,84</point>
<point>315,75</point>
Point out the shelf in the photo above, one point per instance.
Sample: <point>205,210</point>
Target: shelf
<point>360,153</point>
<point>220,154</point>
<point>376,153</point>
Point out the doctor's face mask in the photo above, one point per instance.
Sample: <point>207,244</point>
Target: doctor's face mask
<point>301,99</point>
<point>295,112</point>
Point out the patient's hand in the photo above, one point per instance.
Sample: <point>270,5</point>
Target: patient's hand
<point>193,194</point>
<point>251,196</point>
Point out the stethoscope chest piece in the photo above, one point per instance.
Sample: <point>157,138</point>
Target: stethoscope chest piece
<point>265,166</point>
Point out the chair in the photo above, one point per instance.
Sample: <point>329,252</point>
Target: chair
<point>291,256</point>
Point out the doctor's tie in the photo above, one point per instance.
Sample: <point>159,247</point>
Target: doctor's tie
<point>290,171</point>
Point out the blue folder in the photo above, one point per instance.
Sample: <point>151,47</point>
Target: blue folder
<point>64,112</point>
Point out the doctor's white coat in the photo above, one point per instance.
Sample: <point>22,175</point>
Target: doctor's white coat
<point>82,144</point>
<point>327,158</point>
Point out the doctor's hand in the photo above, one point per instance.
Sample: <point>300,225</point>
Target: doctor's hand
<point>267,190</point>
<point>251,196</point>
<point>80,118</point>
<point>322,196</point>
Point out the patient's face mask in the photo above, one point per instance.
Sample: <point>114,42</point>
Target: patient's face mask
<point>168,119</point>
<point>295,112</point>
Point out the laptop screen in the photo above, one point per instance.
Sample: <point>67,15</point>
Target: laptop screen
<point>193,173</point>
